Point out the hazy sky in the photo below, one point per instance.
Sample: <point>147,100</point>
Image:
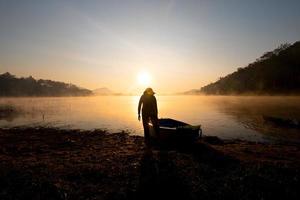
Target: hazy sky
<point>182,44</point>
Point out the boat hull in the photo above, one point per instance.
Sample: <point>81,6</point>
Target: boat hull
<point>173,131</point>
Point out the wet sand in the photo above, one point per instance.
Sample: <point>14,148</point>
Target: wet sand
<point>48,163</point>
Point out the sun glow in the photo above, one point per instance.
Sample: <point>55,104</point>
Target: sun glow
<point>144,78</point>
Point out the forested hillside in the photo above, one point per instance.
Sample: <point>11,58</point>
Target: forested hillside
<point>13,86</point>
<point>275,72</point>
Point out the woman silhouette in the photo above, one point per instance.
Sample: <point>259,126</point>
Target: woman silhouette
<point>149,111</point>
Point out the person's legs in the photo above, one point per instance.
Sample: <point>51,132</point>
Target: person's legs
<point>146,126</point>
<point>154,121</point>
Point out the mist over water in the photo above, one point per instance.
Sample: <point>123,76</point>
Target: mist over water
<point>223,116</point>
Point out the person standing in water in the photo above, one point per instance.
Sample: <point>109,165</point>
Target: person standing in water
<point>149,112</point>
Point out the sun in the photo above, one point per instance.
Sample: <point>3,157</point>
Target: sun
<point>144,78</point>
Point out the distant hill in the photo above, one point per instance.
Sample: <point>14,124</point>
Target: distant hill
<point>13,86</point>
<point>275,72</point>
<point>103,91</point>
<point>190,92</point>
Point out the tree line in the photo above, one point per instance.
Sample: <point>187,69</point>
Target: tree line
<point>10,85</point>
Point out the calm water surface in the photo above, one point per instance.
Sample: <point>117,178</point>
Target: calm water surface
<point>226,117</point>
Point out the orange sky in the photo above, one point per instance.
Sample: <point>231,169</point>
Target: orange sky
<point>182,45</point>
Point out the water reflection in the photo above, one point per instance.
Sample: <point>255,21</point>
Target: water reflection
<point>250,112</point>
<point>9,112</point>
<point>226,117</point>
<point>111,112</point>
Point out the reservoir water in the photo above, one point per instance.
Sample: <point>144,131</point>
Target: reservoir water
<point>223,116</point>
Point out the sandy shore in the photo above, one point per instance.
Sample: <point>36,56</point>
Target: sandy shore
<point>47,163</point>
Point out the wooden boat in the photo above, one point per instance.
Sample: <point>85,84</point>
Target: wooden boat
<point>174,131</point>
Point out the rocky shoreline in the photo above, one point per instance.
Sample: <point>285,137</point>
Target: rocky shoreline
<point>49,163</point>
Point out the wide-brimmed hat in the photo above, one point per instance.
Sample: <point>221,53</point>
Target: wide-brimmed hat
<point>149,91</point>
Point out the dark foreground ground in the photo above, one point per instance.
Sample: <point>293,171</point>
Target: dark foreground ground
<point>46,163</point>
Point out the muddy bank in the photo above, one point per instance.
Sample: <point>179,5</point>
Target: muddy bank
<point>46,163</point>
